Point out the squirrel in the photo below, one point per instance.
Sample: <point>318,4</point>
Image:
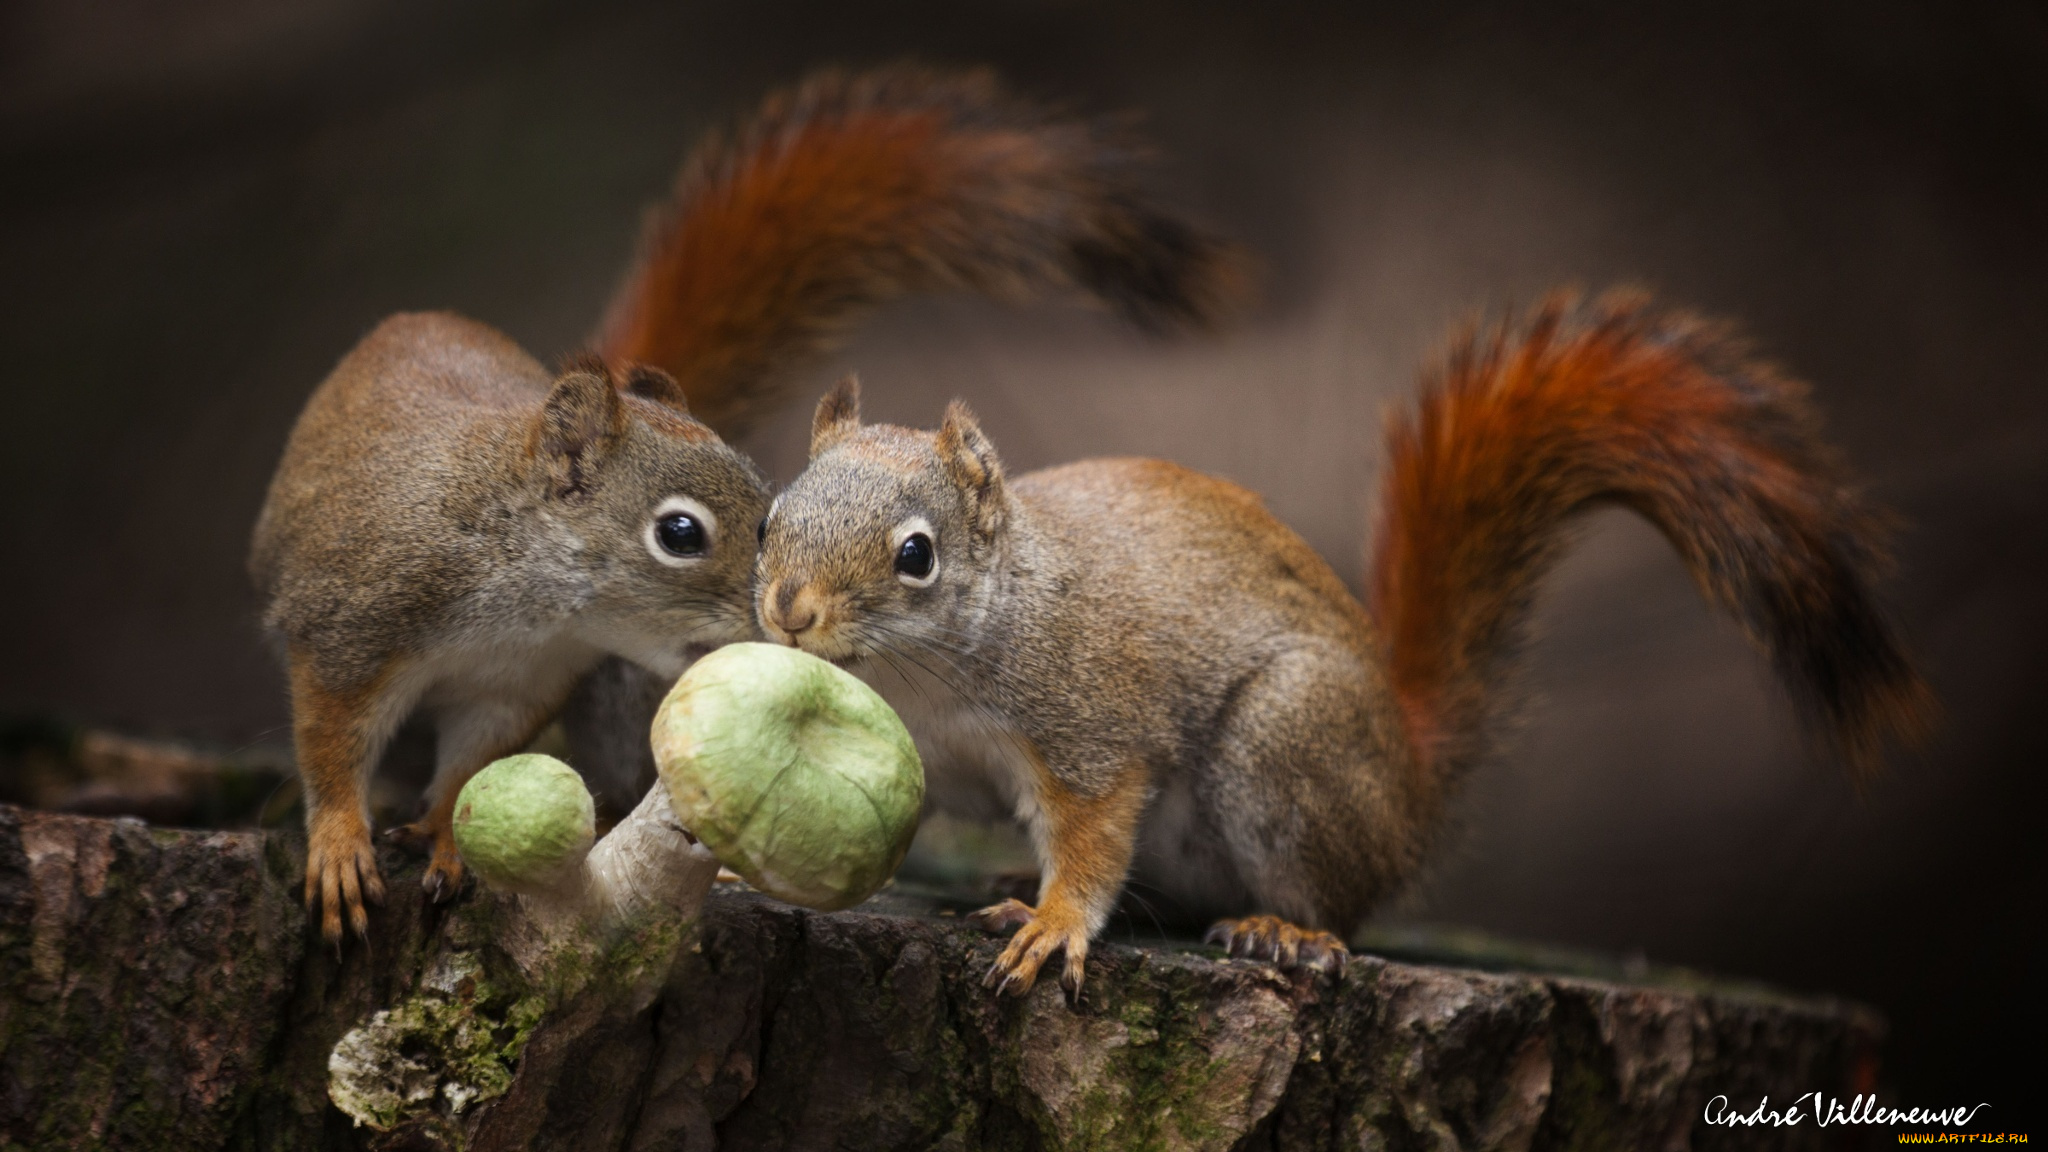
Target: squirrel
<point>1159,680</point>
<point>454,530</point>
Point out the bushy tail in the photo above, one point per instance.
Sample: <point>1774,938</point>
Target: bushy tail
<point>1661,413</point>
<point>852,189</point>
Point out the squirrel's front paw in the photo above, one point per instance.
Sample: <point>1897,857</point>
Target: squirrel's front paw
<point>1040,932</point>
<point>1275,940</point>
<point>341,873</point>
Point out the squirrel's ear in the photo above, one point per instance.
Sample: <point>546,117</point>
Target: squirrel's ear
<point>970,461</point>
<point>582,417</point>
<point>838,415</point>
<point>651,383</point>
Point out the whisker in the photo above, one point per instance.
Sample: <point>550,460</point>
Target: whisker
<point>893,660</point>
<point>1131,886</point>
<point>936,675</point>
<point>972,699</point>
<point>929,634</point>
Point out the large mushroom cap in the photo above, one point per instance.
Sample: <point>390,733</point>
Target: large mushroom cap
<point>797,775</point>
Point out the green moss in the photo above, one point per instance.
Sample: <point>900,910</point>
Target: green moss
<point>1170,1072</point>
<point>436,1054</point>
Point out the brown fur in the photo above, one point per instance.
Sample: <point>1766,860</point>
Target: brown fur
<point>1112,626</point>
<point>455,531</point>
<point>853,189</point>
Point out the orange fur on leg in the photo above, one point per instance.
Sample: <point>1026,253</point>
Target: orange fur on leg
<point>332,732</point>
<point>1090,840</point>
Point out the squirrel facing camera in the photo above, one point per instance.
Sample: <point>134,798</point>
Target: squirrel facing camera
<point>1161,680</point>
<point>452,530</point>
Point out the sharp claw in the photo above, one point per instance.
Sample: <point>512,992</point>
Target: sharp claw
<point>1075,982</point>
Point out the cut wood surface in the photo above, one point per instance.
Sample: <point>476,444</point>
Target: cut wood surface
<point>159,989</point>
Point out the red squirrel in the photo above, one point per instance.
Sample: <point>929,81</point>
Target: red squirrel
<point>1159,679</point>
<point>457,531</point>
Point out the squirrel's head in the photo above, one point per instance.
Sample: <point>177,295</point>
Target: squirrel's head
<point>661,515</point>
<point>885,544</point>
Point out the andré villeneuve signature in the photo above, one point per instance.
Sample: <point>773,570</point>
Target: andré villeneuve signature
<point>1827,1110</point>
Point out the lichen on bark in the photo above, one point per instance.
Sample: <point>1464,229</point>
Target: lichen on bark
<point>599,923</point>
<point>453,1043</point>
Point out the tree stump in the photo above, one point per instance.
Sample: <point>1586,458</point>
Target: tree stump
<point>160,989</point>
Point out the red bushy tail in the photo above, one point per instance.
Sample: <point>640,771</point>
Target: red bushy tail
<point>1663,414</point>
<point>850,190</point>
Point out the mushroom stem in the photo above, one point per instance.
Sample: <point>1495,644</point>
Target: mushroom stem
<point>648,864</point>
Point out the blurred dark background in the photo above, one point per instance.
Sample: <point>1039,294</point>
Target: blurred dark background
<point>203,205</point>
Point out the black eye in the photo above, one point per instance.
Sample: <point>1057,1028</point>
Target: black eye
<point>679,534</point>
<point>761,531</point>
<point>914,556</point>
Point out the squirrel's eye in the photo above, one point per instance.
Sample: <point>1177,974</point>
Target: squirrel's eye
<point>679,534</point>
<point>914,558</point>
<point>761,531</point>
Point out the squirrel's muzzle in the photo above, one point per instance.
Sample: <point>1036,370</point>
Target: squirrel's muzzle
<point>795,612</point>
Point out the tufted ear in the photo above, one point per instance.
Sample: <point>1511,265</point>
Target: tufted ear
<point>651,383</point>
<point>580,421</point>
<point>838,415</point>
<point>971,463</point>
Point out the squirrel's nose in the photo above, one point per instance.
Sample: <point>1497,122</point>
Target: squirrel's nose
<point>784,612</point>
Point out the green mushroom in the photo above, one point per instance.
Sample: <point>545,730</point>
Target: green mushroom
<point>525,823</point>
<point>794,773</point>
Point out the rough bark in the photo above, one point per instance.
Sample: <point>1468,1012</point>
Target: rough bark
<point>159,989</point>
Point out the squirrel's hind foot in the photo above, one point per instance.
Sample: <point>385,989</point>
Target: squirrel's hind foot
<point>444,873</point>
<point>416,837</point>
<point>1278,942</point>
<point>443,878</point>
<point>1007,916</point>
